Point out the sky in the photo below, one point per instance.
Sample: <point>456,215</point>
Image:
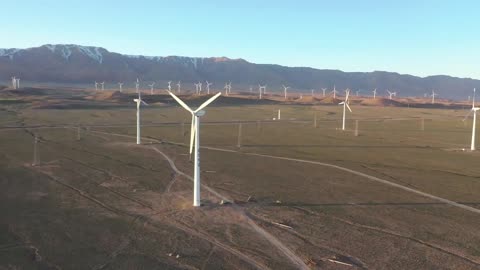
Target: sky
<point>421,38</point>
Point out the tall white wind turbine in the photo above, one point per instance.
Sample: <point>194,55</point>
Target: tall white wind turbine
<point>285,88</point>
<point>103,85</point>
<point>14,83</point>
<point>207,84</point>
<point>96,85</point>
<point>151,87</point>
<point>474,111</point>
<point>391,94</point>
<point>169,85</point>
<point>120,86</point>
<point>18,83</point>
<point>139,101</point>
<point>226,89</point>
<point>323,90</point>
<point>433,96</point>
<point>374,93</point>
<point>195,139</point>
<point>179,85</point>
<point>334,92</point>
<point>345,106</point>
<point>137,86</point>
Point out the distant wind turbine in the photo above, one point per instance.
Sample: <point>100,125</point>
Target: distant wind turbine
<point>179,84</point>
<point>137,86</point>
<point>374,93</point>
<point>345,106</point>
<point>151,87</point>
<point>433,96</point>
<point>103,85</point>
<point>323,90</point>
<point>207,84</point>
<point>139,101</point>
<point>285,88</point>
<point>96,85</point>
<point>169,86</point>
<point>474,111</point>
<point>391,94</point>
<point>120,86</point>
<point>334,92</point>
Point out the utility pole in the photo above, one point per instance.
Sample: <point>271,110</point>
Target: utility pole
<point>35,152</point>
<point>239,140</point>
<point>356,128</point>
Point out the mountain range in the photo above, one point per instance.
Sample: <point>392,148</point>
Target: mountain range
<point>75,64</point>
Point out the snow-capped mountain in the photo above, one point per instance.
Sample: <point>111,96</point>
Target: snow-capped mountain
<point>85,64</point>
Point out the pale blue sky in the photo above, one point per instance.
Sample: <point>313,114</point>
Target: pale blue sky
<point>415,37</point>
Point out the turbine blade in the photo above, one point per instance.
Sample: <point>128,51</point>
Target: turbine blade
<point>208,102</point>
<point>348,107</point>
<point>192,133</point>
<point>341,103</point>
<point>144,103</point>
<point>185,106</point>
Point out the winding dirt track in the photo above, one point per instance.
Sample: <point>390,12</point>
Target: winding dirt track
<point>297,261</point>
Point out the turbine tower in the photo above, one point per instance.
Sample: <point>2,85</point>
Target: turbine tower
<point>120,86</point>
<point>195,139</point>
<point>474,111</point>
<point>14,83</point>
<point>169,86</point>
<point>285,88</point>
<point>103,85</point>
<point>374,93</point>
<point>139,101</point>
<point>179,84</point>
<point>323,90</point>
<point>96,85</point>
<point>345,106</point>
<point>18,84</point>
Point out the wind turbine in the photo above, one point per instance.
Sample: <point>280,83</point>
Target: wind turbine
<point>179,84</point>
<point>18,83</point>
<point>391,94</point>
<point>103,85</point>
<point>260,88</point>
<point>433,96</point>
<point>323,90</point>
<point>374,93</point>
<point>356,92</point>
<point>285,88</point>
<point>474,110</point>
<point>139,101</point>
<point>120,86</point>
<point>229,88</point>
<point>137,86</point>
<point>207,84</point>
<point>195,138</point>
<point>345,106</point>
<point>334,92</point>
<point>199,87</point>
<point>14,82</point>
<point>151,87</point>
<point>312,92</point>
<point>96,85</point>
<point>196,88</point>
<point>169,85</point>
<point>226,89</point>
